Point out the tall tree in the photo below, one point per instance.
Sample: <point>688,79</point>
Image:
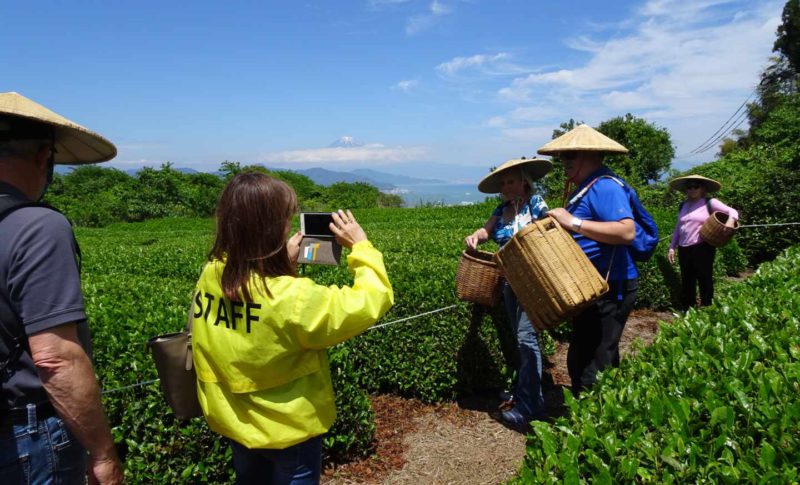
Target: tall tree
<point>650,148</point>
<point>788,41</point>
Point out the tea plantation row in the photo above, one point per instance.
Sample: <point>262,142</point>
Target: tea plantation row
<point>713,400</point>
<point>138,278</point>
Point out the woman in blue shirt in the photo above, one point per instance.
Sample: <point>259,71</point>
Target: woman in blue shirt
<point>514,181</point>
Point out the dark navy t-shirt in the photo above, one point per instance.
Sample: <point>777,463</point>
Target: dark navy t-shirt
<point>605,201</point>
<point>40,283</point>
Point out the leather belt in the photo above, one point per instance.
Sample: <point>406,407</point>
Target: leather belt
<point>19,416</point>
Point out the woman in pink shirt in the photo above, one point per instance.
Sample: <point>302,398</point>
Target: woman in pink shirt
<point>696,257</point>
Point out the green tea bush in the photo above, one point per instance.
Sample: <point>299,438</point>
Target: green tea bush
<point>713,400</point>
<point>138,278</point>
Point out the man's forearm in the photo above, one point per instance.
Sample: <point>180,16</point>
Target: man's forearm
<point>72,388</point>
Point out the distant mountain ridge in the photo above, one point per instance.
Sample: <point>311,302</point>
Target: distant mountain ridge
<point>323,176</point>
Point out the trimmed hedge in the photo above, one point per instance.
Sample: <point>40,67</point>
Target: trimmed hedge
<point>713,400</point>
<point>138,280</point>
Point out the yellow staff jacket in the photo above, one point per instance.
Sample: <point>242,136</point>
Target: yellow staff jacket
<point>263,378</point>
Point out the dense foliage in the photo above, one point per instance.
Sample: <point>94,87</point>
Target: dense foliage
<point>713,400</point>
<point>95,196</point>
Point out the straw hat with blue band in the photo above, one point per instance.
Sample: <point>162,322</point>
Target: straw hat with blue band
<point>582,138</point>
<point>532,169</point>
<point>680,183</point>
<point>21,118</point>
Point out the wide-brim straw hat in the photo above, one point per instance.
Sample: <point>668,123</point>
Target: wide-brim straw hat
<point>532,168</point>
<point>75,145</point>
<point>582,138</point>
<point>680,183</point>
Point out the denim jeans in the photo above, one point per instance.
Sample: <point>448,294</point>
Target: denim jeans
<point>528,387</point>
<point>41,452</point>
<point>300,464</point>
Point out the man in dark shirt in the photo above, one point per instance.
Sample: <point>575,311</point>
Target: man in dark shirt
<point>50,409</point>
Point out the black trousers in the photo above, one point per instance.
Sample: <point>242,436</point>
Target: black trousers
<point>697,267</point>
<point>596,332</point>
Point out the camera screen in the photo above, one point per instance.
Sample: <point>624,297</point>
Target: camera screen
<point>316,223</point>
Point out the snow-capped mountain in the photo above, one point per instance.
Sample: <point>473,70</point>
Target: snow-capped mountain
<point>345,142</point>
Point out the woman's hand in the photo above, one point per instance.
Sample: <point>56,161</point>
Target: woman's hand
<point>730,224</point>
<point>347,230</point>
<point>671,255</point>
<point>472,241</point>
<point>293,246</point>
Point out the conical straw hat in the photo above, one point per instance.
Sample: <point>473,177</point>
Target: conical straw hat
<point>75,144</point>
<point>582,138</point>
<point>533,168</point>
<point>680,183</point>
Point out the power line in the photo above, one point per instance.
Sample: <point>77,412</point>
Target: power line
<point>721,128</point>
<point>742,118</point>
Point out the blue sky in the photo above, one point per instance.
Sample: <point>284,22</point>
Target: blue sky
<point>414,82</point>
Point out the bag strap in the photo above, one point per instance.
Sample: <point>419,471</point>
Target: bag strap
<point>577,197</point>
<point>189,321</point>
<point>9,323</point>
<point>708,206</point>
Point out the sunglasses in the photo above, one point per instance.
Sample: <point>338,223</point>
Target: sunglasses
<point>693,186</point>
<point>568,156</point>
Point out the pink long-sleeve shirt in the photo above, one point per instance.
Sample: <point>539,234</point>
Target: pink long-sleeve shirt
<point>691,216</point>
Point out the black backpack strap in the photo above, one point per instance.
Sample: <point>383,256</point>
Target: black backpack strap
<point>9,323</point>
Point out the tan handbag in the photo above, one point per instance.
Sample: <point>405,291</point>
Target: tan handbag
<point>173,357</point>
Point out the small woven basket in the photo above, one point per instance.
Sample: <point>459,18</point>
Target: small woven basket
<point>551,276</point>
<point>714,232</point>
<point>478,278</point>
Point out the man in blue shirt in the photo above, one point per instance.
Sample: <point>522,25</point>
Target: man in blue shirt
<point>52,425</point>
<point>602,222</point>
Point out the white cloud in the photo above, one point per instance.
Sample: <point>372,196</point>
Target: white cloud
<point>419,23</point>
<point>674,61</point>
<point>407,85</point>
<point>373,153</point>
<point>499,64</point>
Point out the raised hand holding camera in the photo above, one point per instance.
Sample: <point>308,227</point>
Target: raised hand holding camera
<point>347,230</point>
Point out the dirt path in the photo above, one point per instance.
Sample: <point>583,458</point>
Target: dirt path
<point>461,443</point>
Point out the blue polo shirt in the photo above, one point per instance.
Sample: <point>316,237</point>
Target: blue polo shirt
<point>605,201</point>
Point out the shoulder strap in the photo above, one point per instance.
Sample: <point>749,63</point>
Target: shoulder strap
<point>708,206</point>
<point>575,199</point>
<point>9,323</point>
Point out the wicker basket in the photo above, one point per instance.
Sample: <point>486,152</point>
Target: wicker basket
<point>551,276</point>
<point>714,232</point>
<point>478,278</point>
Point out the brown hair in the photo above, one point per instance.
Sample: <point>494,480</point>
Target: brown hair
<point>252,217</point>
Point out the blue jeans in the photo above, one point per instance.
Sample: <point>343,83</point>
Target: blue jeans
<point>300,464</point>
<point>41,451</point>
<point>528,398</point>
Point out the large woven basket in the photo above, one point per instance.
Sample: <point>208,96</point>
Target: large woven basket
<point>478,278</point>
<point>551,276</point>
<point>714,232</point>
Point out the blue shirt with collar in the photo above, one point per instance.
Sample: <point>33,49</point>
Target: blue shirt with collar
<point>605,201</point>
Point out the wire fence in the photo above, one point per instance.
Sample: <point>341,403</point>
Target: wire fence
<point>432,312</point>
<point>374,327</point>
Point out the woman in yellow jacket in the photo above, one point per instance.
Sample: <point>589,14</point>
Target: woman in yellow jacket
<point>260,331</point>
